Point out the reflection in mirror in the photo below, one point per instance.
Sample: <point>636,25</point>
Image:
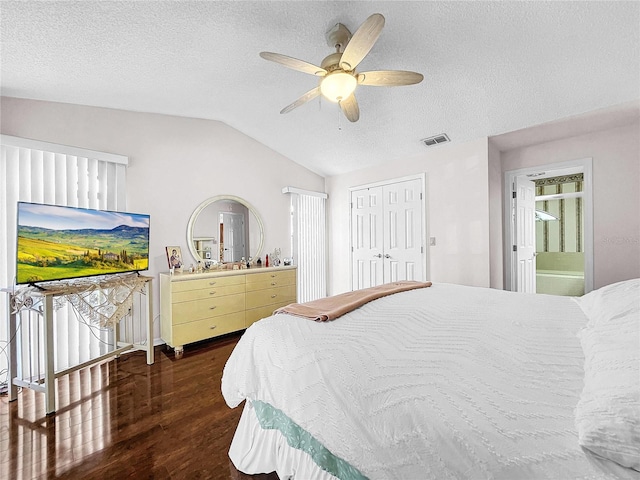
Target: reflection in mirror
<point>225,229</point>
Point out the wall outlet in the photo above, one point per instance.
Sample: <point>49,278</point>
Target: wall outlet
<point>432,241</point>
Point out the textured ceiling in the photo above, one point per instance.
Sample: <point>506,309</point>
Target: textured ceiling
<point>489,67</point>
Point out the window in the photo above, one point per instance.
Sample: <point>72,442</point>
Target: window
<point>309,242</point>
<point>40,172</point>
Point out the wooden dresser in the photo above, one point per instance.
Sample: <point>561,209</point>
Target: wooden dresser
<point>198,306</point>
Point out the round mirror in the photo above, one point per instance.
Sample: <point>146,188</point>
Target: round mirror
<point>224,229</point>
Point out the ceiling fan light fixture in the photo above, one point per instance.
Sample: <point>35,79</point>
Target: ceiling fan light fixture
<point>338,70</point>
<point>338,86</point>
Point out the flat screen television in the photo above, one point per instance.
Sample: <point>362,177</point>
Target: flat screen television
<point>58,243</point>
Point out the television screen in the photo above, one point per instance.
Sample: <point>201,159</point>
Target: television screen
<point>56,243</point>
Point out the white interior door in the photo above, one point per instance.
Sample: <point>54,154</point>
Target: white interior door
<point>403,258</point>
<point>233,226</point>
<point>366,238</point>
<point>525,229</point>
<point>387,224</point>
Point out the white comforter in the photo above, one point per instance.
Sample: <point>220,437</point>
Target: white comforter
<point>442,382</point>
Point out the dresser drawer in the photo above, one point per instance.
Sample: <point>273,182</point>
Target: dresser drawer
<point>207,328</point>
<point>209,292</point>
<point>259,313</point>
<point>206,283</point>
<point>211,307</point>
<point>260,298</point>
<point>260,281</point>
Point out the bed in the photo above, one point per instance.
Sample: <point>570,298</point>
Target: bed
<point>445,382</point>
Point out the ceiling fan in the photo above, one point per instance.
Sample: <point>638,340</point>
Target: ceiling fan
<point>339,78</point>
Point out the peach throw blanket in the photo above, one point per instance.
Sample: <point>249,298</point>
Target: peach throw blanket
<point>331,308</point>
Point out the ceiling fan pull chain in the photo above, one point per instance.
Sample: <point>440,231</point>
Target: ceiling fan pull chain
<point>339,119</point>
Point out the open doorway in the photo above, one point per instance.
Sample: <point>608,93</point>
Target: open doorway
<point>231,236</point>
<point>559,229</point>
<point>549,234</point>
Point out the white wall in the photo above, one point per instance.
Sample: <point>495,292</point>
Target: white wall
<point>495,218</point>
<point>616,192</point>
<point>175,164</point>
<point>457,213</point>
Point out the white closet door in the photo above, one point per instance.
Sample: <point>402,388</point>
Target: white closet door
<point>403,249</point>
<point>387,233</point>
<point>367,237</point>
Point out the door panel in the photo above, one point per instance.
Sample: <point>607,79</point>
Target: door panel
<point>392,272</point>
<point>410,271</point>
<point>525,207</point>
<point>404,245</point>
<point>392,229</point>
<point>374,230</point>
<point>409,229</point>
<point>367,237</point>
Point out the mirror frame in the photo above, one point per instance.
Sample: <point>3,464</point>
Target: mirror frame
<point>205,204</point>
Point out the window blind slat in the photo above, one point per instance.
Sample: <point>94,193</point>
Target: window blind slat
<point>103,183</point>
<point>48,173</point>
<point>38,188</point>
<point>93,183</point>
<point>60,179</point>
<point>83,182</point>
<point>119,188</point>
<point>24,175</point>
<point>72,181</point>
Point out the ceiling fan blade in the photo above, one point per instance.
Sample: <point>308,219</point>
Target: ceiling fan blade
<point>350,108</point>
<point>294,63</point>
<point>310,95</point>
<point>362,42</point>
<point>389,78</point>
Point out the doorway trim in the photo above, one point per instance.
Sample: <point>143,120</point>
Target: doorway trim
<point>581,165</point>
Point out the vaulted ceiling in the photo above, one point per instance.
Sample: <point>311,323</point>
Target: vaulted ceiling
<point>489,67</point>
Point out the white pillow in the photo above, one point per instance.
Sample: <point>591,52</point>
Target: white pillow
<point>608,413</point>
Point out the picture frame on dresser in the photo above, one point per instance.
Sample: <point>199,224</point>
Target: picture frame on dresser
<point>174,257</point>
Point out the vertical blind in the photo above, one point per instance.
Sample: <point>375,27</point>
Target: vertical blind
<point>40,172</point>
<point>309,242</point>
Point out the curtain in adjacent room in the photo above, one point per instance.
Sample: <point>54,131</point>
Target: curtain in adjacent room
<point>39,172</point>
<point>309,242</point>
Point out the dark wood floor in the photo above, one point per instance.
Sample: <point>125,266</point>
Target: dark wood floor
<point>125,419</point>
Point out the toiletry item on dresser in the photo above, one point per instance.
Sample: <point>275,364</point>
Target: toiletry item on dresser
<point>275,257</point>
<point>266,260</point>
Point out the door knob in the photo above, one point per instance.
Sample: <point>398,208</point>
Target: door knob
<point>378,255</point>
<point>387,256</point>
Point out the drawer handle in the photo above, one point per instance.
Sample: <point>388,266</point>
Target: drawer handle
<point>212,293</point>
<point>273,275</point>
<point>212,283</point>
<point>273,283</point>
<point>212,308</point>
<point>274,295</point>
<point>212,327</point>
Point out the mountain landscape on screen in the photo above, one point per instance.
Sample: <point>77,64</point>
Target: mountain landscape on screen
<point>57,243</point>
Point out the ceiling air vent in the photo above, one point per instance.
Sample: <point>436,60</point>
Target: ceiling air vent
<point>435,140</point>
